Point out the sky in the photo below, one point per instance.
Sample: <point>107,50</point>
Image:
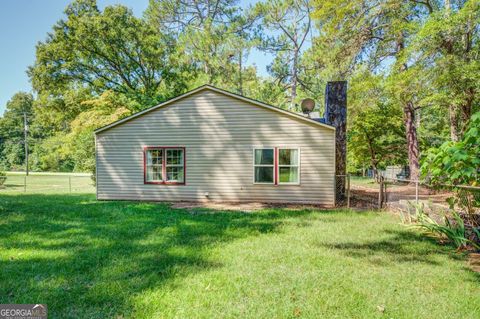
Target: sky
<point>23,23</point>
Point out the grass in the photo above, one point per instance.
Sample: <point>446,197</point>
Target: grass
<point>367,182</point>
<point>90,259</point>
<point>47,183</point>
<point>363,181</point>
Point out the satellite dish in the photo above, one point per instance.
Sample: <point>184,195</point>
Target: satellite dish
<point>307,105</point>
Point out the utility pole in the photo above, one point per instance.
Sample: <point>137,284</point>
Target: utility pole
<point>25,133</point>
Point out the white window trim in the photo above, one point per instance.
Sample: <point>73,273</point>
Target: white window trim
<point>164,181</point>
<point>174,165</point>
<point>298,166</point>
<point>263,165</point>
<point>154,165</point>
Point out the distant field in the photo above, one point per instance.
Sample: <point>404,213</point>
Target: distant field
<point>47,182</point>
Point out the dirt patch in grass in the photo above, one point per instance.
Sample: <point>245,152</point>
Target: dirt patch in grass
<point>474,262</point>
<point>244,207</point>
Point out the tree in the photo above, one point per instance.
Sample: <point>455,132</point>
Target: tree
<point>53,113</point>
<point>109,50</point>
<point>103,110</point>
<point>379,33</point>
<point>447,46</point>
<point>12,130</point>
<point>288,24</point>
<point>375,135</point>
<point>212,35</point>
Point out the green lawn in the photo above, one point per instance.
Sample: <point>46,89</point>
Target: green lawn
<point>48,183</point>
<point>367,182</point>
<point>90,259</point>
<point>363,181</point>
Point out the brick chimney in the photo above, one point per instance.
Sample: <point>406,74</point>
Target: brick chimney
<point>336,115</point>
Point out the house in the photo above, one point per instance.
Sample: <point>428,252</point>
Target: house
<point>213,145</point>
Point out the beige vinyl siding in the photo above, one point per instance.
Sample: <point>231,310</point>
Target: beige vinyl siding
<point>219,133</point>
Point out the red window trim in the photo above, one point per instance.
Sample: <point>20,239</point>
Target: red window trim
<point>164,175</point>
<point>276,166</point>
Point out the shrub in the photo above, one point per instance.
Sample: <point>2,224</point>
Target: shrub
<point>458,163</point>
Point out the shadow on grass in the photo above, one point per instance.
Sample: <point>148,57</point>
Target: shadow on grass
<point>399,246</point>
<point>73,252</point>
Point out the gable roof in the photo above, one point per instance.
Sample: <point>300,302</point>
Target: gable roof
<point>214,89</point>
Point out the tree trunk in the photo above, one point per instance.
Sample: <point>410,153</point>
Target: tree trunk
<point>452,111</point>
<point>294,80</point>
<point>373,158</point>
<point>240,77</point>
<point>412,141</point>
<point>466,110</point>
<point>410,125</point>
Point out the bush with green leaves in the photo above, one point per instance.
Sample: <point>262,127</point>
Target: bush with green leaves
<point>456,163</point>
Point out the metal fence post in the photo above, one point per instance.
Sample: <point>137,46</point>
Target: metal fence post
<point>416,191</point>
<point>70,183</point>
<point>348,190</point>
<point>334,190</point>
<point>380,193</point>
<point>385,193</point>
<point>25,184</point>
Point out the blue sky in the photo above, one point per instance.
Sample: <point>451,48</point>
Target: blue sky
<point>25,22</point>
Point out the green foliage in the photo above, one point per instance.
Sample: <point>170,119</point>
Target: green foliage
<point>285,27</point>
<point>12,152</point>
<point>375,134</point>
<point>3,178</point>
<point>454,231</point>
<point>52,154</point>
<point>456,162</point>
<point>104,110</point>
<point>412,67</point>
<point>109,50</point>
<point>447,48</point>
<point>214,39</point>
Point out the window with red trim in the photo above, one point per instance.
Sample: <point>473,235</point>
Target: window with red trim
<point>164,165</point>
<point>264,165</point>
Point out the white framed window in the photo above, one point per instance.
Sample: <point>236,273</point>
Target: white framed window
<point>174,165</point>
<point>154,165</point>
<point>264,165</point>
<point>288,168</point>
<point>164,165</point>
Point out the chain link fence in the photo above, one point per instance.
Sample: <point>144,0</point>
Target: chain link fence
<point>47,183</point>
<point>342,190</point>
<point>401,194</point>
<point>364,192</point>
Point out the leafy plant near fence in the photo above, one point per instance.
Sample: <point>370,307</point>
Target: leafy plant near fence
<point>452,229</point>
<point>458,163</point>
